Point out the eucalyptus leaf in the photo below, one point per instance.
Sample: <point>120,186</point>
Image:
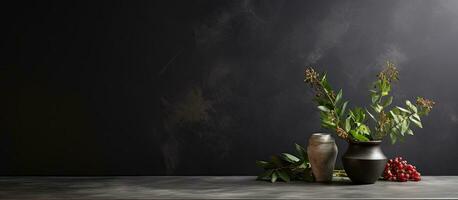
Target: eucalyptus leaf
<point>385,88</point>
<point>416,122</point>
<point>302,153</point>
<point>363,129</point>
<point>342,111</point>
<point>302,165</point>
<point>274,177</point>
<point>393,138</point>
<point>411,106</point>
<point>410,132</point>
<point>290,158</point>
<point>328,124</point>
<point>338,97</point>
<point>395,116</point>
<point>388,101</point>
<point>263,164</point>
<point>375,98</point>
<point>325,116</point>
<point>265,175</point>
<point>347,124</point>
<point>404,127</point>
<point>283,175</point>
<point>325,84</point>
<point>377,108</point>
<point>360,138</point>
<point>358,114</point>
<point>403,110</point>
<point>370,115</point>
<point>323,78</point>
<point>323,108</point>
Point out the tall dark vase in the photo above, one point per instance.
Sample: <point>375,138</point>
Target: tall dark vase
<point>364,162</point>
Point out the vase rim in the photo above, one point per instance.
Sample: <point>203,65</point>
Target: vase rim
<point>321,138</point>
<point>366,142</point>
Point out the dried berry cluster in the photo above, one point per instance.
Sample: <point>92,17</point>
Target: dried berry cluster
<point>313,79</point>
<point>425,104</point>
<point>390,73</point>
<point>398,169</point>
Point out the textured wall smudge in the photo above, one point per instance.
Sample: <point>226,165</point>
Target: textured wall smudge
<point>330,31</point>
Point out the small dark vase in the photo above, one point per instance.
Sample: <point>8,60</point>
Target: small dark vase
<point>364,162</point>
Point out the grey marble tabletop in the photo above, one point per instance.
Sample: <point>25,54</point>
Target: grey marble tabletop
<point>218,187</point>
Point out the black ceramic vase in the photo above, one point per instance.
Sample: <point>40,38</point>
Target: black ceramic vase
<point>364,162</point>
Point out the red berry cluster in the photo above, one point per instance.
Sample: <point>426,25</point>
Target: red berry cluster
<point>398,169</point>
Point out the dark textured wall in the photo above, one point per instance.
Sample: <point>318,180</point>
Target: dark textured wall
<point>207,87</point>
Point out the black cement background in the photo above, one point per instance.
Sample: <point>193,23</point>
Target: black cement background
<point>207,87</point>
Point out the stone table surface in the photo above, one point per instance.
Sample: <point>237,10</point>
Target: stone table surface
<point>218,187</point>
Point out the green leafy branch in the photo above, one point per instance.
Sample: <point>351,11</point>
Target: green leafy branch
<point>351,124</point>
<point>402,118</point>
<point>348,124</point>
<point>355,124</point>
<point>286,167</point>
<point>396,122</point>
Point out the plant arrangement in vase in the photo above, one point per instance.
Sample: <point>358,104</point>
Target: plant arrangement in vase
<point>364,161</point>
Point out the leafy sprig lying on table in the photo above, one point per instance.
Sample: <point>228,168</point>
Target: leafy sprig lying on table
<point>352,124</point>
<point>287,167</point>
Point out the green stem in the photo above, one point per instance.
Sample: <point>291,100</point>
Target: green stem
<point>327,95</point>
<point>334,113</point>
